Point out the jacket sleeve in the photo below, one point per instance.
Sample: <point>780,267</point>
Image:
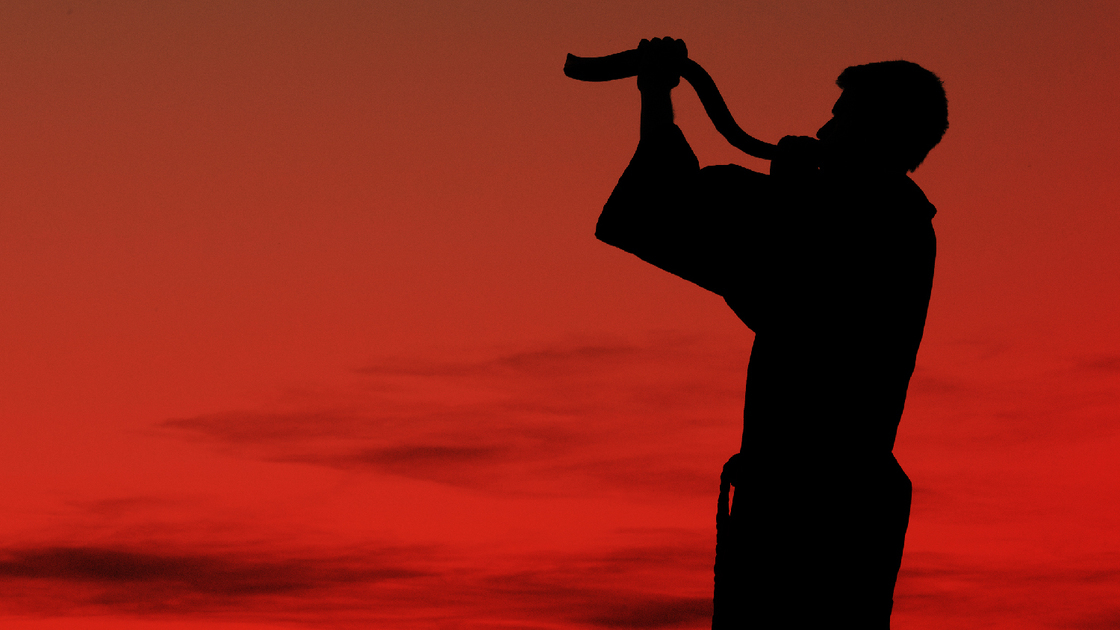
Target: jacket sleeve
<point>691,222</point>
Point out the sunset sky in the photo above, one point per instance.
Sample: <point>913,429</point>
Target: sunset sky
<point>303,323</point>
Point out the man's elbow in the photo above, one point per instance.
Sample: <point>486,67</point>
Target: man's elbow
<point>604,233</point>
<point>616,219</point>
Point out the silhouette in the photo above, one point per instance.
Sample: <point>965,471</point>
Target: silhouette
<point>829,259</point>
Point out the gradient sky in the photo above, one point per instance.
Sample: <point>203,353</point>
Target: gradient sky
<point>303,323</point>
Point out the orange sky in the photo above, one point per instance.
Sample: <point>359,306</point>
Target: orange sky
<point>304,324</point>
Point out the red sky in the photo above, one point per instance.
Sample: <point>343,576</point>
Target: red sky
<point>303,323</point>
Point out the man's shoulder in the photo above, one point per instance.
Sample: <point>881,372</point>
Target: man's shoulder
<point>914,197</point>
<point>733,172</point>
<point>732,180</point>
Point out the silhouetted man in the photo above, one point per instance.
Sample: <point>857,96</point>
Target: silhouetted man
<point>829,260</point>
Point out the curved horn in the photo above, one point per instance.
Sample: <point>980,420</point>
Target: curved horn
<point>625,64</point>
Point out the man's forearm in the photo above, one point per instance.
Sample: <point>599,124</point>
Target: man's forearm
<point>643,211</point>
<point>657,113</point>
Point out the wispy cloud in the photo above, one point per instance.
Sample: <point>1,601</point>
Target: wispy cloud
<point>662,580</point>
<point>544,418</point>
<point>211,574</point>
<point>1102,363</point>
<point>1040,403</point>
<point>411,587</point>
<point>997,457</point>
<point>548,361</point>
<point>958,590</point>
<point>59,580</point>
<point>120,506</point>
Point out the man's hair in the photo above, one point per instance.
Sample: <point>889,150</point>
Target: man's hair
<point>907,103</point>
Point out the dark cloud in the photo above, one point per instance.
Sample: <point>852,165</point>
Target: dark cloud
<point>580,418</point>
<point>652,474</point>
<point>453,465</point>
<point>562,418</point>
<point>605,590</point>
<point>62,580</point>
<point>214,574</point>
<point>619,611</point>
<point>256,427</point>
<point>1032,404</point>
<point>545,361</point>
<point>1102,364</point>
<point>409,456</point>
<point>658,579</point>
<point>410,587</point>
<point>528,471</point>
<point>983,591</point>
<point>121,506</point>
<point>533,599</point>
<point>1107,618</point>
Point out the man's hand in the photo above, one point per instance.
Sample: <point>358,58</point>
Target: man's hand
<point>661,61</point>
<point>796,157</point>
<point>733,470</point>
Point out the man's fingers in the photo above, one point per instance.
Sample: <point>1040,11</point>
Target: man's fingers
<point>660,62</point>
<point>666,46</point>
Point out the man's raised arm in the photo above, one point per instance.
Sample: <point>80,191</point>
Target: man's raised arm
<point>649,214</point>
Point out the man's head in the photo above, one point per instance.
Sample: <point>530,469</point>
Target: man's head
<point>890,115</point>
